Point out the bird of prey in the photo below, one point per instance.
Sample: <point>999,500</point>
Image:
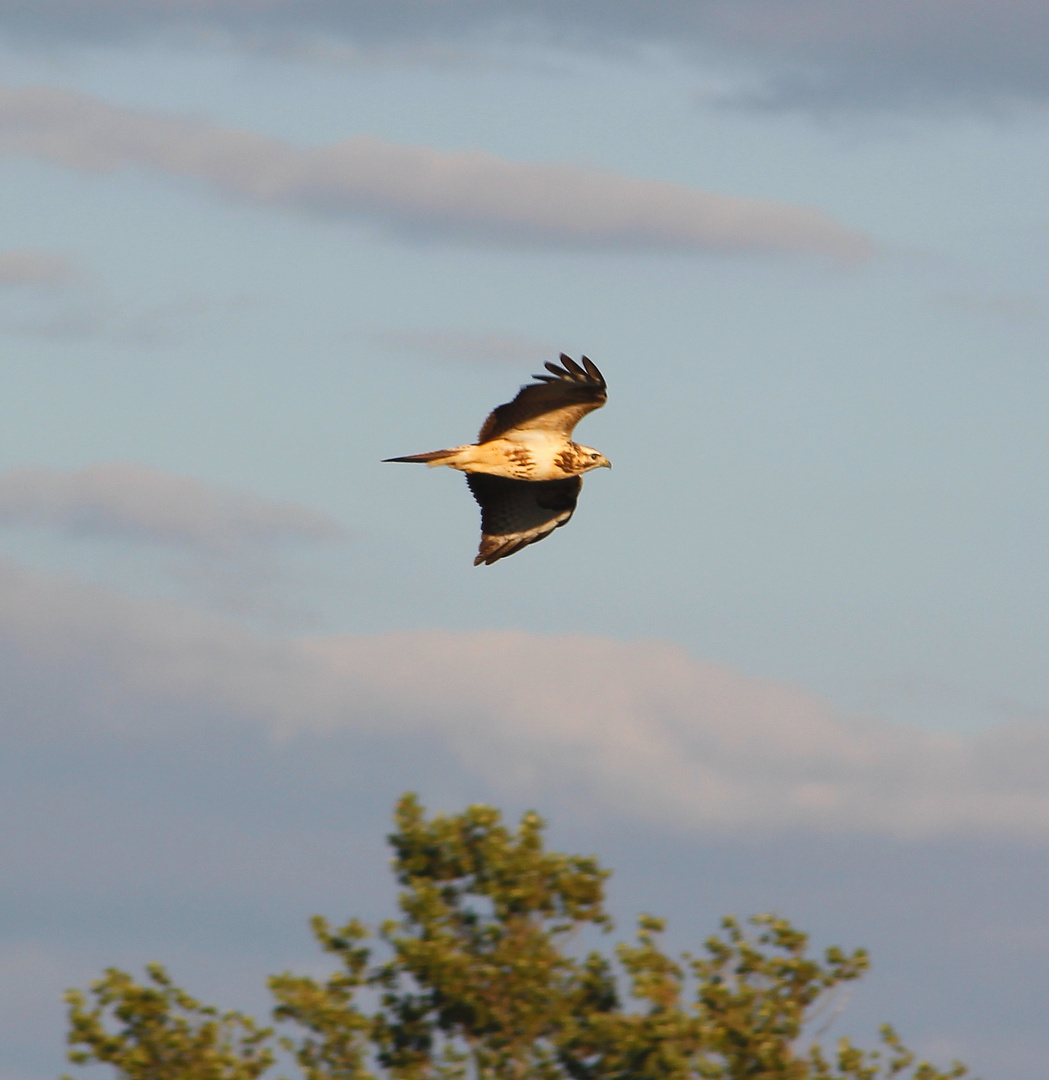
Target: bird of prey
<point>524,470</point>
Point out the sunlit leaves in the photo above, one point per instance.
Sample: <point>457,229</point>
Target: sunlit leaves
<point>481,977</point>
<point>158,1032</point>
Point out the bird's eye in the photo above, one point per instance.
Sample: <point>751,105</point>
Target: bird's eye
<point>593,457</point>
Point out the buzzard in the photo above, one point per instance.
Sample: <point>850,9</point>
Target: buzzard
<point>524,470</point>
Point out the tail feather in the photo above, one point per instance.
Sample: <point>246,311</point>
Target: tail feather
<point>431,456</point>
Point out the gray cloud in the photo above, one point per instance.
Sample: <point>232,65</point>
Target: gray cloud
<point>639,729</point>
<point>415,189</point>
<point>918,53</point>
<point>35,268</point>
<point>134,502</point>
<point>806,52</point>
<point>89,317</point>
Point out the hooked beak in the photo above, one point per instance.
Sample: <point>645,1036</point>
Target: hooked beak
<point>606,464</point>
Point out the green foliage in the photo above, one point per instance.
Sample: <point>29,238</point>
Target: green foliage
<point>335,1046</point>
<point>481,978</point>
<point>164,1034</point>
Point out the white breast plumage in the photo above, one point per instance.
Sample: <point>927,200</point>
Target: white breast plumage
<point>524,470</point>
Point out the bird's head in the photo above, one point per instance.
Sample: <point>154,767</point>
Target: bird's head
<point>592,459</point>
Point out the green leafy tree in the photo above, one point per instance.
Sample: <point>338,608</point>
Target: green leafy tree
<point>482,977</point>
<point>161,1033</point>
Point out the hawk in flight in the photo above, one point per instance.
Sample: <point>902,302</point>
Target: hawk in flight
<point>524,470</point>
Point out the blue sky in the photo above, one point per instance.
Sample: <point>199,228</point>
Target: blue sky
<point>789,653</point>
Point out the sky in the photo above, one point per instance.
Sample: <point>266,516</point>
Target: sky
<point>790,653</point>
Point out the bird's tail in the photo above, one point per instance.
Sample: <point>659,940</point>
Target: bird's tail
<point>434,457</point>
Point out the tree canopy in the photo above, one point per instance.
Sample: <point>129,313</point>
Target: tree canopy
<point>480,977</point>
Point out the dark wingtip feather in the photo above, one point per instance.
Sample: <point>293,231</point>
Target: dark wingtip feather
<point>571,371</point>
<point>592,369</point>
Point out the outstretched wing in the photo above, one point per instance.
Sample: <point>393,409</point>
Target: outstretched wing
<point>556,403</point>
<point>516,513</point>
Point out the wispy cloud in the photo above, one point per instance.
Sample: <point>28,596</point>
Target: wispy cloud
<point>90,317</point>
<point>639,729</point>
<point>416,190</point>
<point>807,53</point>
<point>67,307</point>
<point>228,549</point>
<point>134,502</point>
<point>644,729</point>
<point>42,268</point>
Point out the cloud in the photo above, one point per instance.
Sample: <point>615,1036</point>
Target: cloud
<point>35,268</point>
<point>415,190</point>
<point>637,728</point>
<point>81,314</point>
<point>133,502</point>
<point>916,53</point>
<point>812,53</point>
<point>90,318</point>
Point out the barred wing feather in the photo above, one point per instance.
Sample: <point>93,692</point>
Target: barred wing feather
<point>516,513</point>
<point>557,402</point>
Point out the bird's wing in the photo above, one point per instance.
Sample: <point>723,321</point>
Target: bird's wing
<point>515,513</point>
<point>556,403</point>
